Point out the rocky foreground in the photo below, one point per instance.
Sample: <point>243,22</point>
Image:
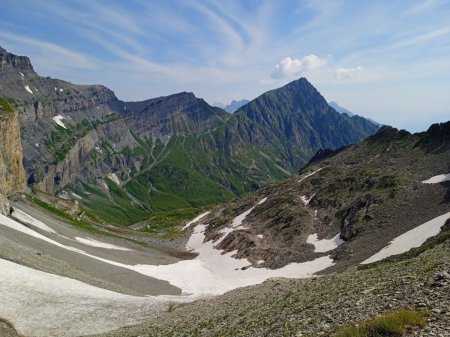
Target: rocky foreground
<point>320,306</point>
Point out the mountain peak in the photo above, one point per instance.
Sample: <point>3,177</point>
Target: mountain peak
<point>12,61</point>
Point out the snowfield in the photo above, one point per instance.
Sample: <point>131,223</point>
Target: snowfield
<point>310,174</point>
<point>413,238</point>
<point>114,178</point>
<point>437,179</point>
<point>27,88</point>
<point>60,306</point>
<point>58,120</point>
<point>306,200</point>
<point>95,243</point>
<point>324,245</point>
<point>198,218</point>
<point>29,220</point>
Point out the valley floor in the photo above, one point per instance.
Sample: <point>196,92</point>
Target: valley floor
<point>318,306</point>
<point>58,280</point>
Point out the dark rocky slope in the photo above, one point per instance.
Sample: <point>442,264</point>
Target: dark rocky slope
<point>367,193</point>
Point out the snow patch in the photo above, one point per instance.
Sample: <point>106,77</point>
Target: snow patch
<point>29,220</point>
<point>37,145</point>
<point>76,195</point>
<point>112,176</point>
<point>21,74</point>
<point>260,261</point>
<point>237,222</point>
<point>310,174</point>
<point>306,200</point>
<point>260,236</point>
<point>56,89</point>
<point>437,179</point>
<point>95,243</point>
<point>324,245</point>
<point>58,120</point>
<point>198,218</point>
<point>413,238</point>
<point>61,90</point>
<point>27,88</point>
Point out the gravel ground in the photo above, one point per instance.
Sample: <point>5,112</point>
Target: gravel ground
<point>316,307</point>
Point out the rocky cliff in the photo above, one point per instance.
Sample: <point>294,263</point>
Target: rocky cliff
<point>12,174</point>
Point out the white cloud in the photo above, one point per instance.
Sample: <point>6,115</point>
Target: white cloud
<point>344,73</point>
<point>294,67</point>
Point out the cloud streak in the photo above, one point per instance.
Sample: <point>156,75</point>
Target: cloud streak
<point>58,56</point>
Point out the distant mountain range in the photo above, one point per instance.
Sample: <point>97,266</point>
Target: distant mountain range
<point>127,161</point>
<point>233,106</point>
<point>342,110</point>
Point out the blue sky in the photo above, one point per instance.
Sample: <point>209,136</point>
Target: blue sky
<point>388,60</point>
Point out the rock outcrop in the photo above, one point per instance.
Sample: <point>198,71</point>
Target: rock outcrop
<point>12,173</point>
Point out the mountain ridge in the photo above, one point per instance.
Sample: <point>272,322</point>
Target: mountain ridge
<point>123,156</point>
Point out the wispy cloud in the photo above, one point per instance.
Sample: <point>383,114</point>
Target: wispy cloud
<point>58,56</point>
<point>218,48</point>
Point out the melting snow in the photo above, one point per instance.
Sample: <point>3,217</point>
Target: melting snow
<point>324,245</point>
<point>42,304</point>
<point>58,120</point>
<point>114,178</point>
<point>306,200</point>
<point>413,238</point>
<point>76,195</point>
<point>27,88</point>
<point>95,243</point>
<point>212,272</point>
<point>29,220</point>
<point>237,222</point>
<point>201,216</point>
<point>437,179</point>
<point>310,174</point>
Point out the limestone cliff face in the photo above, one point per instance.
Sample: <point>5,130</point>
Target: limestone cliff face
<point>12,173</point>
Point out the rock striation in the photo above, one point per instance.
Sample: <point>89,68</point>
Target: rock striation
<point>12,173</point>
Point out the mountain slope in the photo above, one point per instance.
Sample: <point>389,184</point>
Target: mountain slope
<point>294,121</point>
<point>366,195</point>
<point>129,160</point>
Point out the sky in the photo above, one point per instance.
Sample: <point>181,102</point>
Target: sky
<point>386,60</point>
